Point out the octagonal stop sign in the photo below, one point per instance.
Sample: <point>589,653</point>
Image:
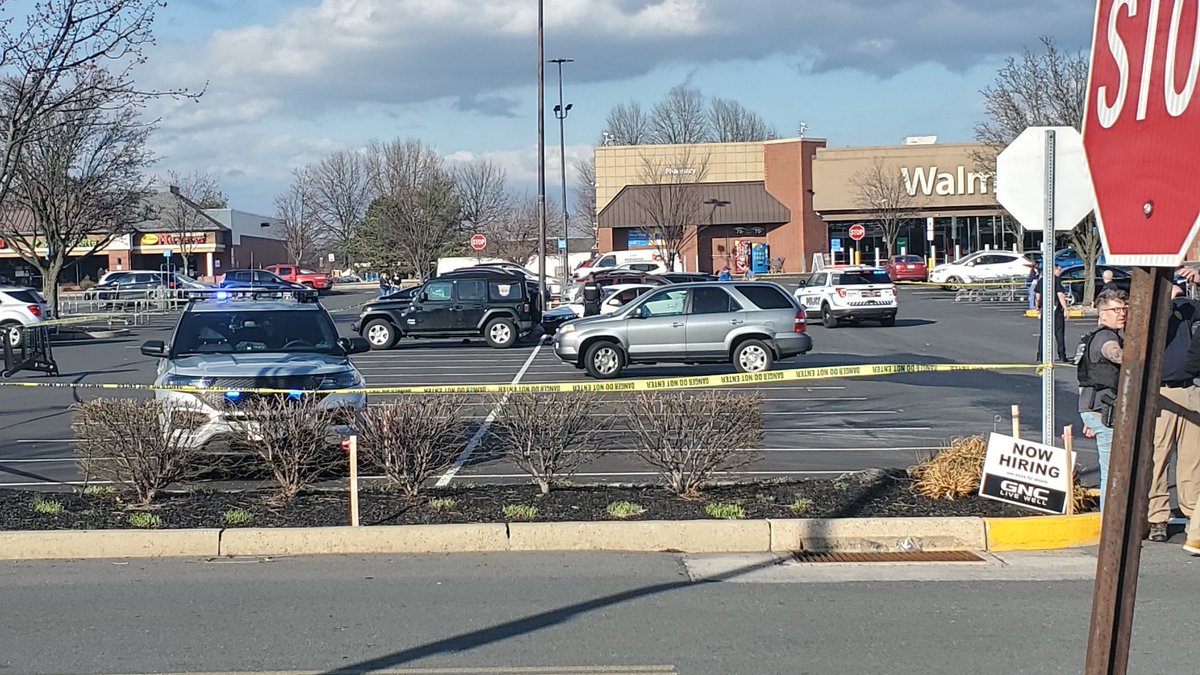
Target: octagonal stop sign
<point>1141,129</point>
<point>1022,185</point>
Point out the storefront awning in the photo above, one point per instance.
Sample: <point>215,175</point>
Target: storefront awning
<point>741,203</point>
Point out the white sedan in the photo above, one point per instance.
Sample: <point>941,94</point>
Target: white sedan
<point>981,266</point>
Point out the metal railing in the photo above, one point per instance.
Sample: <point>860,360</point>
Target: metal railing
<point>1007,289</point>
<point>128,307</point>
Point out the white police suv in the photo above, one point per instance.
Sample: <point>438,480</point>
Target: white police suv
<point>849,293</point>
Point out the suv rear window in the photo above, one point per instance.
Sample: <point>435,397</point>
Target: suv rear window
<point>765,297</point>
<point>862,278</point>
<point>505,291</point>
<point>24,296</point>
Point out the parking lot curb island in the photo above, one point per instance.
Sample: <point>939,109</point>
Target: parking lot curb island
<point>862,535</point>
<point>465,538</point>
<point>75,544</point>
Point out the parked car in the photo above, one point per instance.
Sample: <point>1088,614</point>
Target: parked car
<point>906,268</point>
<point>851,294</point>
<point>20,307</point>
<point>650,267</point>
<point>609,261</point>
<point>257,279</point>
<point>612,298</point>
<point>1067,257</point>
<point>981,266</point>
<point>137,285</point>
<point>1074,280</point>
<point>751,324</point>
<point>617,277</point>
<point>319,281</point>
<point>553,287</point>
<point>242,343</point>
<point>492,304</point>
<point>688,277</point>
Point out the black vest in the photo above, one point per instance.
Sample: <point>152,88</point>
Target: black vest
<point>1101,373</point>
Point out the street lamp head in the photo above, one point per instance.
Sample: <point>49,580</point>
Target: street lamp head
<point>557,108</point>
<point>569,107</point>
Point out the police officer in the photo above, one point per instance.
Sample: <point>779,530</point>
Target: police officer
<point>1099,368</point>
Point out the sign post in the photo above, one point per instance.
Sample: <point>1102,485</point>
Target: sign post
<point>1042,179</point>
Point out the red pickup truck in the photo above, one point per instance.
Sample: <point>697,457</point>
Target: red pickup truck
<point>320,281</point>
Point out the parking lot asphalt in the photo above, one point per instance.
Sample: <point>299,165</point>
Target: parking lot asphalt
<point>811,428</point>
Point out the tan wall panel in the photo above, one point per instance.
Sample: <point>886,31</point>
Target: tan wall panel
<point>621,165</point>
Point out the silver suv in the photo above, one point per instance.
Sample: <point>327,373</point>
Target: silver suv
<point>234,341</point>
<point>751,324</point>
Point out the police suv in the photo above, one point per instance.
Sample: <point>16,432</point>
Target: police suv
<point>849,293</point>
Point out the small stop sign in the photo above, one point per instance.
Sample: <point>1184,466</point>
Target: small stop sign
<point>857,232</point>
<point>1141,129</point>
<point>478,242</point>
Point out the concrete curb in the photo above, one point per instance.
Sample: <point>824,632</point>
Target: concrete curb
<point>686,536</point>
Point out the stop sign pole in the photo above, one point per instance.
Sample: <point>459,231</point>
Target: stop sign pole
<point>1139,133</point>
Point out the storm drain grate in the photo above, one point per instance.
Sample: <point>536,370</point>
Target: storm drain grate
<point>886,557</point>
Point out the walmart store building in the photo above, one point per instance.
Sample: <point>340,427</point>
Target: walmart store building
<point>792,199</point>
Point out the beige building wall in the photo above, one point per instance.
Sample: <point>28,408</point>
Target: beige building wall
<point>941,179</point>
<point>621,165</point>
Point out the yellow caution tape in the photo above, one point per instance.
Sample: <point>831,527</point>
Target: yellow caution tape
<point>71,320</point>
<point>656,384</point>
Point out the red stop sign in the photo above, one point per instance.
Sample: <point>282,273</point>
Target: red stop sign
<point>1141,130</point>
<point>857,232</point>
<point>478,242</point>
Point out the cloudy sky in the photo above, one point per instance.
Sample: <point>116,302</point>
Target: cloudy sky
<point>290,80</point>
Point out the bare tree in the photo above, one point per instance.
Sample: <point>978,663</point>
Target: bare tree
<point>482,191</point>
<point>77,189</point>
<point>1044,88</point>
<point>302,226</point>
<point>292,441</point>
<point>184,217</point>
<point>679,117</point>
<point>627,124</point>
<point>880,193</point>
<point>65,57</point>
<point>584,223</point>
<point>513,234</point>
<point>672,200</point>
<point>418,216</point>
<point>731,122</point>
<point>342,192</point>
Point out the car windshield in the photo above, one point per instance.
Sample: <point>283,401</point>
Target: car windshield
<point>862,278</point>
<point>243,331</point>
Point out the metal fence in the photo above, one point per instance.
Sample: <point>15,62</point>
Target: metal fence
<point>129,307</point>
<point>1008,289</point>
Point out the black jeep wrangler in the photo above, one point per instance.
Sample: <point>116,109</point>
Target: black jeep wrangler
<point>493,304</point>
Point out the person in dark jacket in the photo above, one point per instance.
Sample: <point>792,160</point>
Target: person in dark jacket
<point>1061,307</point>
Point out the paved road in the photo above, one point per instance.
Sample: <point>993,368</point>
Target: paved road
<point>484,613</point>
<point>828,426</point>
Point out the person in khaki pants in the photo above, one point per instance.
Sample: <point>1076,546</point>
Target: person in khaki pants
<point>1177,429</point>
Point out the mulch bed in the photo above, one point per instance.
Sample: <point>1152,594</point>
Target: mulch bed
<point>865,494</point>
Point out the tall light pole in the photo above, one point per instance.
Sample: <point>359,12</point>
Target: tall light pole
<point>560,112</point>
<point>541,152</point>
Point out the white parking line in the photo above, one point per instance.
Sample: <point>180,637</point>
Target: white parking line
<point>479,433</point>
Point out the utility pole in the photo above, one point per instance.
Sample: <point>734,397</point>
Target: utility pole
<point>541,151</point>
<point>560,112</point>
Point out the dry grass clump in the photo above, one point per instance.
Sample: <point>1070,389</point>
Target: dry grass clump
<point>954,472</point>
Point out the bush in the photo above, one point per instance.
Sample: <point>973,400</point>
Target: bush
<point>238,516</point>
<point>520,512</point>
<point>442,504</point>
<point>145,521</point>
<point>412,438</point>
<point>801,505</point>
<point>954,472</point>
<point>625,510</point>
<point>138,444</point>
<point>49,507</point>
<point>292,441</point>
<point>690,437</point>
<point>549,436</point>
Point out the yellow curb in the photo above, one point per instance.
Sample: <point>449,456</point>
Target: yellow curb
<point>1039,533</point>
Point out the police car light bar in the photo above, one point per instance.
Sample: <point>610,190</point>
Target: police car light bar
<point>251,293</point>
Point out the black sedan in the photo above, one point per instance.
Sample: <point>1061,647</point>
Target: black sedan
<point>1073,279</point>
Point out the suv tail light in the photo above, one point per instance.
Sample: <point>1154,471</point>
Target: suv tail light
<point>799,326</point>
<point>525,308</point>
<point>35,310</point>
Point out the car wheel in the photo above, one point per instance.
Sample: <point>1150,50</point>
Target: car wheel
<point>500,333</point>
<point>953,283</point>
<point>753,356</point>
<point>604,360</point>
<point>827,317</point>
<point>888,321</point>
<point>380,333</point>
<point>11,331</point>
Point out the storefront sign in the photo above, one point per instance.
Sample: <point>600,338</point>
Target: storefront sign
<point>929,181</point>
<point>751,231</point>
<point>169,239</point>
<point>679,171</point>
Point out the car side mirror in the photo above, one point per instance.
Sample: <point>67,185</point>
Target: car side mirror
<point>354,345</point>
<point>423,297</point>
<point>802,283</point>
<point>155,348</point>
